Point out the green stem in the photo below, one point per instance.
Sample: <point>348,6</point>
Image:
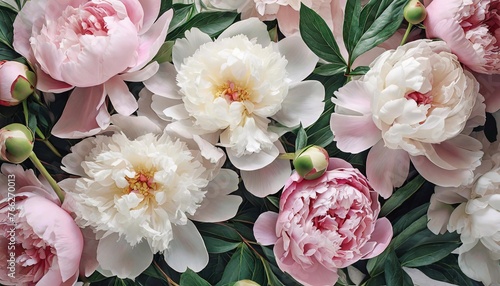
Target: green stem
<point>47,142</point>
<point>287,156</point>
<point>408,30</point>
<point>45,173</point>
<point>25,111</point>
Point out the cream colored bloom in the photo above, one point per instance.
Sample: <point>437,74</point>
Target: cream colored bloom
<point>142,190</point>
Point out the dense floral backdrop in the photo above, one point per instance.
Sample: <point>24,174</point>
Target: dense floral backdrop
<point>249,142</point>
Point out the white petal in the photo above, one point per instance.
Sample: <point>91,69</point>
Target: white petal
<point>142,74</point>
<point>116,255</point>
<point>420,279</point>
<point>163,82</point>
<point>187,249</point>
<point>301,60</point>
<point>304,103</point>
<point>477,264</point>
<point>253,161</point>
<point>134,126</point>
<point>253,28</point>
<point>268,180</point>
<point>186,47</point>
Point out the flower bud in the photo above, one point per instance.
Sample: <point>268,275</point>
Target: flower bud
<point>311,162</point>
<point>246,283</point>
<point>16,82</point>
<point>16,143</point>
<point>414,12</point>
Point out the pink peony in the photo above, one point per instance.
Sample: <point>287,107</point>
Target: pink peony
<point>324,224</point>
<point>470,28</point>
<point>39,241</point>
<point>94,46</point>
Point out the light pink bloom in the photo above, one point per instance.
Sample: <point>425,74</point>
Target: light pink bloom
<point>94,46</point>
<point>416,103</point>
<point>324,224</point>
<point>16,82</point>
<point>48,243</point>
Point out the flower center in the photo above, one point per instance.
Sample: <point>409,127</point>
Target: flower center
<point>420,99</point>
<point>142,183</point>
<point>232,92</point>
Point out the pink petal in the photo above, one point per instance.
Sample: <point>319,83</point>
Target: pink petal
<point>460,152</point>
<point>381,236</point>
<point>489,89</point>
<point>187,249</point>
<point>336,163</point>
<point>264,228</point>
<point>85,114</point>
<point>354,96</point>
<point>46,83</point>
<point>151,10</point>
<point>288,20</point>
<point>354,134</point>
<point>122,99</point>
<point>151,41</point>
<point>386,168</point>
<point>163,83</point>
<point>438,215</point>
<point>301,60</point>
<point>142,74</point>
<point>114,254</point>
<point>303,104</point>
<point>439,176</point>
<point>57,228</point>
<point>315,275</point>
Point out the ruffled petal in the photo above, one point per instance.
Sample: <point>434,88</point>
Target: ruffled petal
<point>386,168</point>
<point>439,176</point>
<point>354,134</point>
<point>187,249</point>
<point>253,161</point>
<point>380,238</point>
<point>253,28</point>
<point>186,47</point>
<point>303,104</point>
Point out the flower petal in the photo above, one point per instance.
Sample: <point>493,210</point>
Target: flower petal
<point>253,161</point>
<point>142,74</point>
<point>301,60</point>
<point>85,114</point>
<point>186,47</point>
<point>116,255</point>
<point>134,126</point>
<point>264,228</point>
<point>187,249</point>
<point>381,237</point>
<point>122,99</point>
<point>163,83</point>
<point>303,104</point>
<point>253,28</point>
<point>439,176</point>
<point>386,168</point>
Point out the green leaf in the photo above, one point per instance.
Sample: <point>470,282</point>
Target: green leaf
<point>301,140</point>
<point>182,14</point>
<point>322,137</point>
<point>361,70</point>
<point>242,265</point>
<point>401,195</point>
<point>6,29</point>
<point>272,280</point>
<point>351,31</point>
<point>394,273</point>
<point>152,271</point>
<point>405,221</point>
<point>372,11</point>
<point>330,69</point>
<point>165,53</point>
<point>190,278</point>
<point>425,237</point>
<point>427,254</point>
<point>165,6</point>
<point>274,201</point>
<point>211,23</point>
<point>381,29</point>
<point>6,53</point>
<point>318,36</point>
<point>215,245</point>
<point>124,282</point>
<point>219,230</point>
<point>96,277</point>
<point>447,270</point>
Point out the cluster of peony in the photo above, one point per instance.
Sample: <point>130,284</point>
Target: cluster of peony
<point>139,181</point>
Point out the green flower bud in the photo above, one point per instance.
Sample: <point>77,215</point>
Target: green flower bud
<point>16,143</point>
<point>311,162</point>
<point>414,12</point>
<point>16,82</point>
<point>246,283</point>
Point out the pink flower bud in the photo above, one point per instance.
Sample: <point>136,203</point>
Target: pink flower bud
<point>311,162</point>
<point>16,82</point>
<point>16,143</point>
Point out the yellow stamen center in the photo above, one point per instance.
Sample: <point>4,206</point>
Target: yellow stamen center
<point>142,183</point>
<point>232,92</point>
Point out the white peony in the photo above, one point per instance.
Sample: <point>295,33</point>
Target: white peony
<point>476,217</point>
<point>235,91</point>
<point>416,103</point>
<point>139,189</point>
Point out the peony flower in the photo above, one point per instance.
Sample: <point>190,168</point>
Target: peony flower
<point>16,82</point>
<point>416,103</point>
<point>472,211</point>
<point>324,224</point>
<point>139,189</point>
<point>94,46</point>
<point>16,143</point>
<point>311,162</point>
<point>233,90</point>
<point>470,28</point>
<point>40,243</point>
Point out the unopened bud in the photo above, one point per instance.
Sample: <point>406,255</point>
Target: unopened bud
<point>311,162</point>
<point>246,283</point>
<point>16,143</point>
<point>16,82</point>
<point>414,12</point>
